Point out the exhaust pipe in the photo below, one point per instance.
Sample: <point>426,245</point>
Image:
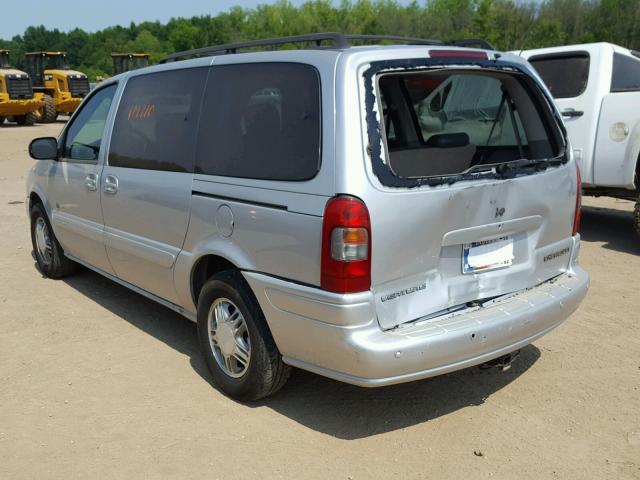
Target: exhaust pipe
<point>503,363</point>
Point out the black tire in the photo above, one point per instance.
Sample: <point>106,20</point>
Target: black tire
<point>1,119</point>
<point>636,216</point>
<point>265,373</point>
<point>54,264</point>
<point>48,113</point>
<point>27,120</point>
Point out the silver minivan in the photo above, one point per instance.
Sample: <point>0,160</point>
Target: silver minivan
<point>376,214</point>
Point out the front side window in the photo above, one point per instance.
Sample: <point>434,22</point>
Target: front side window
<point>84,135</point>
<point>444,122</point>
<point>566,75</point>
<point>261,121</point>
<point>156,124</point>
<point>626,73</point>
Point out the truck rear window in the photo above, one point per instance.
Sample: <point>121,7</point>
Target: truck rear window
<point>553,70</point>
<point>444,122</point>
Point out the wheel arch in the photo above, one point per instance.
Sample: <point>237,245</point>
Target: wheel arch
<point>206,266</point>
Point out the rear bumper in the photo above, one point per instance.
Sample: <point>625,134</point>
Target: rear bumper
<point>338,335</point>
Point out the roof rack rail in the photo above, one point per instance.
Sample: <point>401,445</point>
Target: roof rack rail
<point>337,41</point>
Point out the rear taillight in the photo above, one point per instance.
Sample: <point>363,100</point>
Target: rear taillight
<point>577,215</point>
<point>459,54</point>
<point>346,246</point>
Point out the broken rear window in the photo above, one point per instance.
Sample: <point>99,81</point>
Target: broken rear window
<point>444,122</point>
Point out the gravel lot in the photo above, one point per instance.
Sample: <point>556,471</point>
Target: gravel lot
<point>98,382</point>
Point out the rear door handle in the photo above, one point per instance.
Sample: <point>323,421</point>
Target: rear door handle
<point>91,182</point>
<point>110,184</point>
<point>571,113</point>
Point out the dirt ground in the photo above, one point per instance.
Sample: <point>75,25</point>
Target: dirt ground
<point>99,382</point>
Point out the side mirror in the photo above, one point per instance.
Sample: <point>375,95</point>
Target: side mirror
<point>44,148</point>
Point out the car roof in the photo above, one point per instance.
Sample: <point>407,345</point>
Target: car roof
<point>357,54</point>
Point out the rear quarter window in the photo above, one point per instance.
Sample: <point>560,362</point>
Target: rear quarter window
<point>156,124</point>
<point>626,73</point>
<point>566,75</point>
<point>261,121</point>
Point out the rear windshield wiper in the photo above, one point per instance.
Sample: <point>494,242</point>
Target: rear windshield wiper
<point>507,169</point>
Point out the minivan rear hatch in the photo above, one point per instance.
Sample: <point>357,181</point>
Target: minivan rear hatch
<point>475,198</point>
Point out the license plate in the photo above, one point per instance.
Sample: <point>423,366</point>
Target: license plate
<point>487,255</point>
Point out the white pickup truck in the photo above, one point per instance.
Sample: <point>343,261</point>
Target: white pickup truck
<point>597,89</point>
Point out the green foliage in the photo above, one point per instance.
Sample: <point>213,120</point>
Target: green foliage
<point>507,24</point>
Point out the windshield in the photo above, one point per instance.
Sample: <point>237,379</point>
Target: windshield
<point>138,62</point>
<point>445,122</point>
<point>55,62</point>
<point>4,60</point>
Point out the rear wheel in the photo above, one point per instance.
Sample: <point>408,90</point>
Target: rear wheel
<point>636,216</point>
<point>235,340</point>
<point>1,119</point>
<point>28,119</point>
<point>48,113</point>
<point>48,251</point>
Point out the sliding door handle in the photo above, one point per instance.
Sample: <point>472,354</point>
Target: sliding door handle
<point>110,185</point>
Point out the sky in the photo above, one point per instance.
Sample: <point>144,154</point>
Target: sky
<point>93,15</point>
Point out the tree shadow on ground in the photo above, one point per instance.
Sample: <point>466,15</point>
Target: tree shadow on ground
<point>327,406</point>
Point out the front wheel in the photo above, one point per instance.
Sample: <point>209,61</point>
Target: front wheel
<point>46,248</point>
<point>235,340</point>
<point>27,120</point>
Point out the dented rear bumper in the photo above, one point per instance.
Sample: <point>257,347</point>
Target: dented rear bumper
<point>338,335</point>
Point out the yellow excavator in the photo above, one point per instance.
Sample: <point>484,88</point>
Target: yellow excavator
<point>123,62</point>
<point>63,88</point>
<point>18,102</point>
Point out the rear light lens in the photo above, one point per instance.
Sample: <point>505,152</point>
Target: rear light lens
<point>459,54</point>
<point>349,244</point>
<point>346,246</point>
<point>577,216</point>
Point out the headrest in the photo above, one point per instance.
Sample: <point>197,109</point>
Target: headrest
<point>448,140</point>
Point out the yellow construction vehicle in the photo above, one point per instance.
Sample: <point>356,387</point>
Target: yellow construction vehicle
<point>17,100</point>
<point>63,88</point>
<point>123,62</point>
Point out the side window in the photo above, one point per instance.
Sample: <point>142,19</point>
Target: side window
<point>553,70</point>
<point>83,137</point>
<point>261,121</point>
<point>626,73</point>
<point>156,124</point>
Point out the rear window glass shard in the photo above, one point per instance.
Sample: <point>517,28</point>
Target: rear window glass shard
<point>444,122</point>
<point>261,121</point>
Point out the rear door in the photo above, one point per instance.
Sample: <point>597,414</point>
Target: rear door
<point>146,185</point>
<point>574,78</point>
<point>475,198</point>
